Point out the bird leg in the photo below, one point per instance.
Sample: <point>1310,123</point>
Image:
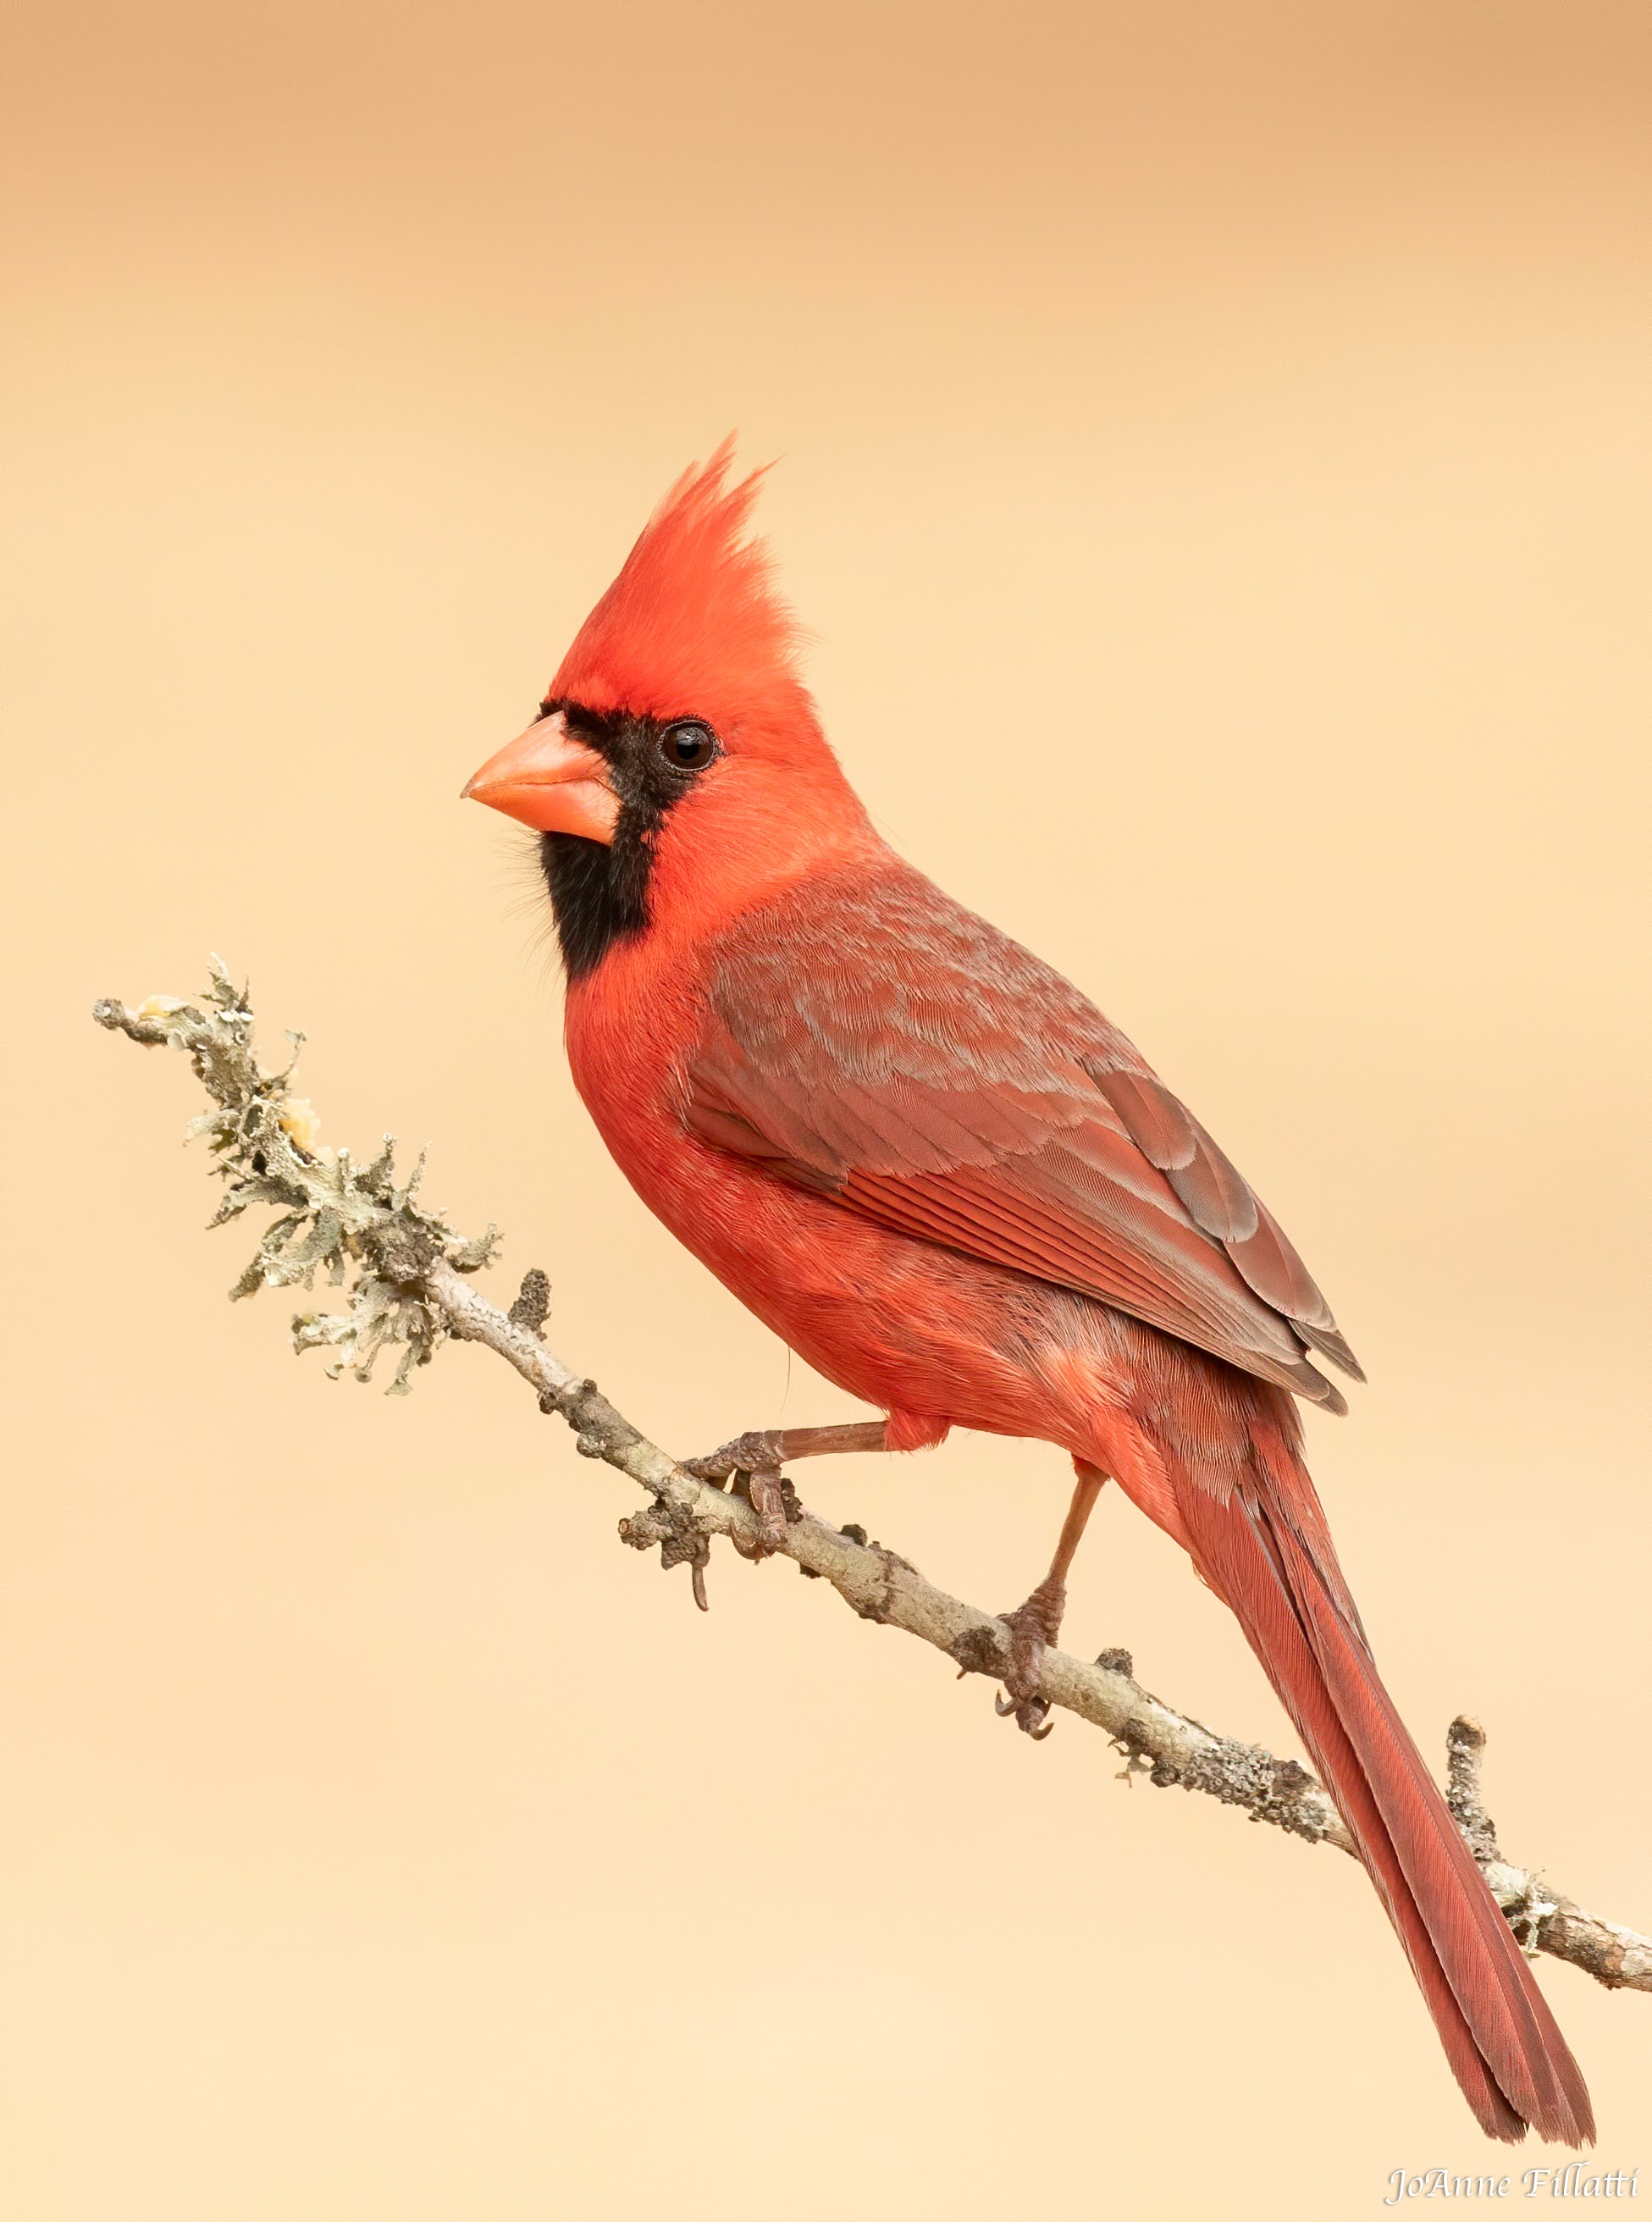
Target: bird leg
<point>753,1462</point>
<point>1035,1625</point>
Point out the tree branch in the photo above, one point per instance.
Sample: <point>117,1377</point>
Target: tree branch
<point>407,1273</point>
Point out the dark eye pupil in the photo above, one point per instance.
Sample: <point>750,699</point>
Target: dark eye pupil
<point>689,746</point>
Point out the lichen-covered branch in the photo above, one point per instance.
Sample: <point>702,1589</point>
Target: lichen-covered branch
<point>406,1276</point>
<point>1540,1918</point>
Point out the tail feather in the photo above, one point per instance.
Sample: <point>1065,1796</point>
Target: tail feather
<point>1263,1547</point>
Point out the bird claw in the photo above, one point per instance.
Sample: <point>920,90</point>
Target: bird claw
<point>1032,1628</point>
<point>751,1463</point>
<point>751,1452</point>
<point>1029,1714</point>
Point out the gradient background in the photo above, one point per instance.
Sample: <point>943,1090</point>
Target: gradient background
<point>1215,467</point>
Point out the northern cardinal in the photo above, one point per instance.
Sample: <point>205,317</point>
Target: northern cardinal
<point>934,1167</point>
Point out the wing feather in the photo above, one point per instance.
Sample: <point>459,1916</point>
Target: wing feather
<point>879,1043</point>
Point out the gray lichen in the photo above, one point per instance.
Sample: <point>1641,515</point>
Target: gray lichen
<point>354,1224</point>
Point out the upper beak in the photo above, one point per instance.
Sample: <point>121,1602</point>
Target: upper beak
<point>550,781</point>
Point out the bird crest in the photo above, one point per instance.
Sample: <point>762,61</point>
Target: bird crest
<point>695,623</point>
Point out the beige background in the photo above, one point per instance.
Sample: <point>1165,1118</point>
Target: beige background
<point>1216,467</point>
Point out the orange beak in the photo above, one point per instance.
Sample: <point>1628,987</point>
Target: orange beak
<point>550,781</point>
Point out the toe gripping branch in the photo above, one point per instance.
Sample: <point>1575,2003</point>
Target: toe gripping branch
<point>751,1466</point>
<point>1034,1627</point>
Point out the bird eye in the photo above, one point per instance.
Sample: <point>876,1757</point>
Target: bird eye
<point>687,745</point>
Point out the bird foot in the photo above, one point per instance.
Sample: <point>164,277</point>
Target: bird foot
<point>751,1463</point>
<point>1032,1628</point>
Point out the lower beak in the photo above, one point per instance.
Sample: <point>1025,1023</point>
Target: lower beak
<point>550,781</point>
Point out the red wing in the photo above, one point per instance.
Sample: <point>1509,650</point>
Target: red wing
<point>884,1046</point>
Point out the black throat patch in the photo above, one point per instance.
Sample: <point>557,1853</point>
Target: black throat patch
<point>599,890</point>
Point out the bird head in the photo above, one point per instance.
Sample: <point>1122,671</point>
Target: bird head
<point>677,771</point>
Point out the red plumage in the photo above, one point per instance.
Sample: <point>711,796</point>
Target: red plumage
<point>693,625</point>
<point>934,1169</point>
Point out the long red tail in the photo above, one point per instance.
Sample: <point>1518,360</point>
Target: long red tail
<point>1263,1545</point>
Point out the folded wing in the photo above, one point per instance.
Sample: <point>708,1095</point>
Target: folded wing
<point>872,1040</point>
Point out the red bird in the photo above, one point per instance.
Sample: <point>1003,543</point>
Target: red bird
<point>933,1167</point>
